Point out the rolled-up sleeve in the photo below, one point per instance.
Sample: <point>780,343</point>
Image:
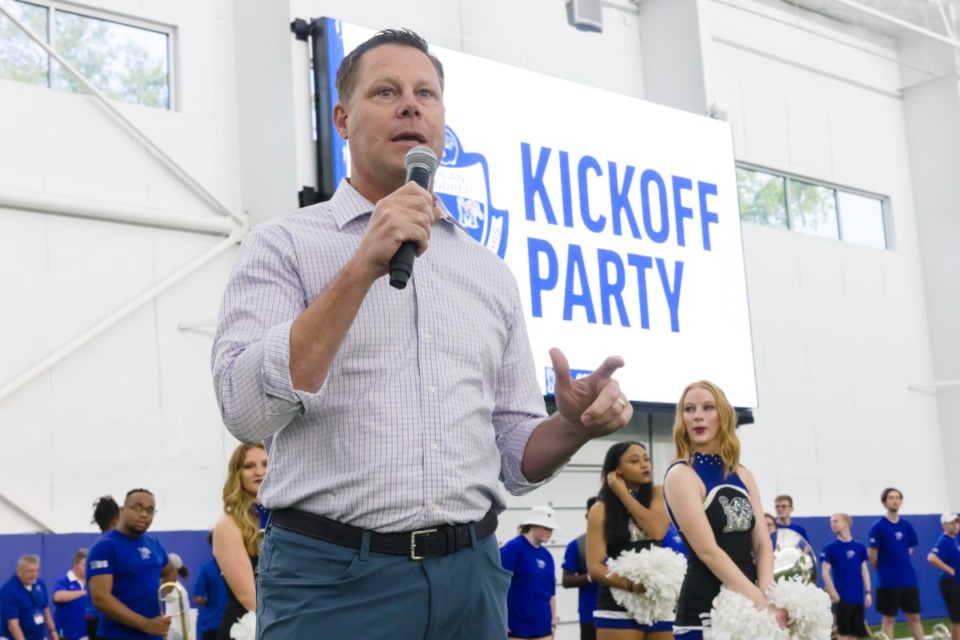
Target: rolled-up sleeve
<point>251,347</point>
<point>519,406</point>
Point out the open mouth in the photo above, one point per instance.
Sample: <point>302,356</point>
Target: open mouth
<point>410,136</point>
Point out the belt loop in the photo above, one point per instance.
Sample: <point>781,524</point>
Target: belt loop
<point>365,545</point>
<point>473,535</point>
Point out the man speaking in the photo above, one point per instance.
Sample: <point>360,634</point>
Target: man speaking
<point>390,413</point>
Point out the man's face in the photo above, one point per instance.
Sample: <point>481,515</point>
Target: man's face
<point>396,104</point>
<point>80,569</point>
<point>838,524</point>
<point>951,528</point>
<point>893,501</point>
<point>137,513</point>
<point>784,508</point>
<point>28,573</point>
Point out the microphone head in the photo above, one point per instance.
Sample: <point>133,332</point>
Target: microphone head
<point>421,157</point>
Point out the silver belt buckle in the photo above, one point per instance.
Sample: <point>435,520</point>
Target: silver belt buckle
<point>413,542</point>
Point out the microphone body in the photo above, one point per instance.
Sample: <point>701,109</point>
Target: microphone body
<point>421,163</point>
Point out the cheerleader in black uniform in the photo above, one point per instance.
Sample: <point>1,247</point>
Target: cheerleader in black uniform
<point>713,500</point>
<point>629,514</point>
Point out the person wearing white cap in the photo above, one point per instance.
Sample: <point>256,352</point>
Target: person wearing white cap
<point>945,556</point>
<point>531,599</point>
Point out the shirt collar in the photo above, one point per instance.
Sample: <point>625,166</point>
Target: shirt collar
<point>72,577</point>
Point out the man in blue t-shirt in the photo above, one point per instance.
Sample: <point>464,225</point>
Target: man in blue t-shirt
<point>575,576</point>
<point>846,578</point>
<point>784,507</point>
<point>70,596</point>
<point>210,594</point>
<point>125,569</point>
<point>945,556</point>
<point>892,540</point>
<point>24,604</point>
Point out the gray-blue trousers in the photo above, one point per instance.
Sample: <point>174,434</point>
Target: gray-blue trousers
<point>310,589</point>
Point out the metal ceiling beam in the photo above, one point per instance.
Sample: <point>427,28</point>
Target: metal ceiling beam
<point>909,26</point>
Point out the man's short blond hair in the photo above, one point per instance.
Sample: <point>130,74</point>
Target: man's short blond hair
<point>845,517</point>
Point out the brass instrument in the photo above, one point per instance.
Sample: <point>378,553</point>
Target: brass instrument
<point>793,556</point>
<point>177,607</point>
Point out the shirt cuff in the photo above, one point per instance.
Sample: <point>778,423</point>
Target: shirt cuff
<point>277,384</point>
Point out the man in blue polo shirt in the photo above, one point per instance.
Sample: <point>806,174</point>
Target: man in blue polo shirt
<point>846,578</point>
<point>125,570</point>
<point>24,604</point>
<point>892,540</point>
<point>945,556</point>
<point>575,576</point>
<point>70,596</point>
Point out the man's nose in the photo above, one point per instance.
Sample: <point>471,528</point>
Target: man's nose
<point>410,111</point>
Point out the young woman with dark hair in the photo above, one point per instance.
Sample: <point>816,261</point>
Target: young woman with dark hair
<point>630,514</point>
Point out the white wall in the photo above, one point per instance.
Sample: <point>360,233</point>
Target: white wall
<point>840,331</point>
<point>133,407</point>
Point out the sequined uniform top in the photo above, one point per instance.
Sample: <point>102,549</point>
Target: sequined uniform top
<point>731,517</point>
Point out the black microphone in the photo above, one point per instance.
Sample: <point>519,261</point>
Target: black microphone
<point>421,163</point>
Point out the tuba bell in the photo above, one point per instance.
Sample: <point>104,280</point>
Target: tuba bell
<point>793,556</point>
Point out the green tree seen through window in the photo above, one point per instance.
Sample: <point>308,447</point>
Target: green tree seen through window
<point>125,62</point>
<point>21,59</point>
<point>762,198</point>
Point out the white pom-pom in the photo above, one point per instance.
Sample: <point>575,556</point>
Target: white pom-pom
<point>733,617</point>
<point>808,609</point>
<point>661,573</point>
<point>807,606</point>
<point>245,628</point>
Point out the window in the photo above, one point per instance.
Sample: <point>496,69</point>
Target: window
<point>807,206</point>
<point>813,209</point>
<point>762,198</point>
<point>127,62</point>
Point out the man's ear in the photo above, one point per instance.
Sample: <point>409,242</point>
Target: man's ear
<point>340,119</point>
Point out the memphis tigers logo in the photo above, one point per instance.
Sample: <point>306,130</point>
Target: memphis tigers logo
<point>463,184</point>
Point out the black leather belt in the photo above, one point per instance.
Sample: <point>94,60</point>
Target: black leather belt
<point>424,543</point>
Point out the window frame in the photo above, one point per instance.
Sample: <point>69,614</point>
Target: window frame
<point>123,19</point>
<point>886,217</point>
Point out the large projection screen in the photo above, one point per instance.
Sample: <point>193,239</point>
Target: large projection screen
<point>618,217</point>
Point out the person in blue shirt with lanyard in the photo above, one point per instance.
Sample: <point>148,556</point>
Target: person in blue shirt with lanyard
<point>945,556</point>
<point>892,540</point>
<point>125,569</point>
<point>575,576</point>
<point>70,596</point>
<point>24,604</point>
<point>393,415</point>
<point>846,578</point>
